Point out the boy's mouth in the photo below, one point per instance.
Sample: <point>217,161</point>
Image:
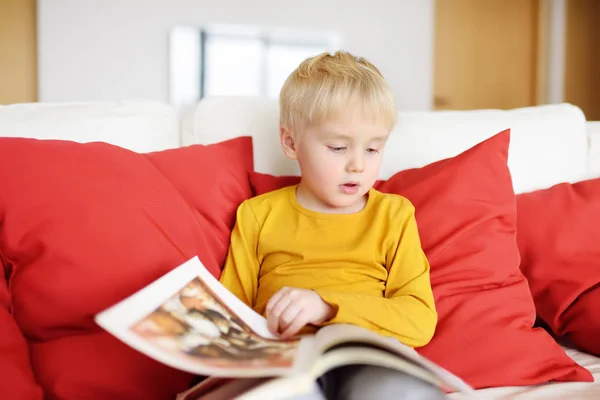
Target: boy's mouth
<point>350,187</point>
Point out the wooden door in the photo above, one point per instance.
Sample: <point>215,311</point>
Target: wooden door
<point>18,51</point>
<point>582,56</point>
<point>485,54</point>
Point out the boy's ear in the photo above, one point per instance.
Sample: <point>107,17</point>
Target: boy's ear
<point>287,143</point>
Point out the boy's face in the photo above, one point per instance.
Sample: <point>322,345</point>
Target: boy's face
<point>339,161</point>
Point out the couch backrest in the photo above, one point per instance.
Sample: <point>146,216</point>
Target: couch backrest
<point>593,130</point>
<point>140,126</point>
<point>548,143</point>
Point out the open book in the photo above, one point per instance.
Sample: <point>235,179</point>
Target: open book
<point>189,321</point>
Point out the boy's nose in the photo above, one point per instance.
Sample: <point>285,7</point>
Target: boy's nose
<point>355,165</point>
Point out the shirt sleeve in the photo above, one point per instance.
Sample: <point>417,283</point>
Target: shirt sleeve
<point>240,273</point>
<point>406,310</point>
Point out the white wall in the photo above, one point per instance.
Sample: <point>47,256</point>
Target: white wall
<point>105,50</point>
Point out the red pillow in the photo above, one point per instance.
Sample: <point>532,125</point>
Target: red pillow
<point>465,209</point>
<point>16,376</point>
<point>559,240</point>
<point>85,225</point>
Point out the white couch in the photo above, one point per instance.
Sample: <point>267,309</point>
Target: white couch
<point>549,144</point>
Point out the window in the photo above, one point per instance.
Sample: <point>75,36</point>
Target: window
<point>232,66</point>
<point>237,61</point>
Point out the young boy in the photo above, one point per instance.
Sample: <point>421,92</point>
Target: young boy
<point>332,249</point>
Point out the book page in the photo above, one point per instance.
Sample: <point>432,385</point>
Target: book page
<point>189,321</point>
<point>351,335</point>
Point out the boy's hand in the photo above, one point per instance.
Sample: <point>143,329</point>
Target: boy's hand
<point>290,309</point>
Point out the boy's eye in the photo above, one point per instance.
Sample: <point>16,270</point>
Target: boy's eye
<point>372,151</point>
<point>337,148</point>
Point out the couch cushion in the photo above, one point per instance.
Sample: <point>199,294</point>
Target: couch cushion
<point>85,225</point>
<point>559,241</point>
<point>548,145</point>
<point>135,125</point>
<point>465,210</point>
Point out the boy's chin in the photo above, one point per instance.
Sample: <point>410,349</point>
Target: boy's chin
<point>345,201</point>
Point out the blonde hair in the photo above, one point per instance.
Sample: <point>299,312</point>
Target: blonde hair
<point>329,85</point>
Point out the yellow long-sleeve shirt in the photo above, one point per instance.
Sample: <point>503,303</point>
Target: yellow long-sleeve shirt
<point>369,265</point>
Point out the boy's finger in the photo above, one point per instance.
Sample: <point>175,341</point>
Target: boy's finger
<point>272,324</point>
<point>288,316</point>
<point>275,314</point>
<point>274,299</point>
<point>298,323</point>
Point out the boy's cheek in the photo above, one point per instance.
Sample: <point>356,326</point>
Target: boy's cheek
<point>376,166</point>
<point>324,165</point>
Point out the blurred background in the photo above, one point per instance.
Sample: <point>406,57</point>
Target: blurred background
<point>436,54</point>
